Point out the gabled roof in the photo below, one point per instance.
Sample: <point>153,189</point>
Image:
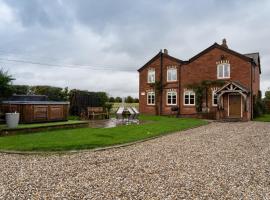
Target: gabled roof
<point>235,84</point>
<point>256,58</point>
<point>216,45</point>
<point>158,56</point>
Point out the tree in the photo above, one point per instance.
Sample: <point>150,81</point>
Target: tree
<point>103,97</point>
<point>118,99</point>
<point>53,93</point>
<point>136,100</point>
<point>267,95</point>
<point>5,84</point>
<point>111,99</point>
<point>129,99</point>
<point>20,89</point>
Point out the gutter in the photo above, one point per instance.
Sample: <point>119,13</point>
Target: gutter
<point>161,83</point>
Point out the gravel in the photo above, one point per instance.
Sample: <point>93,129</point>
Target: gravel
<point>217,161</point>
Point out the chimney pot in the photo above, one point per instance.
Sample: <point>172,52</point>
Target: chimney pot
<point>166,51</point>
<point>224,43</point>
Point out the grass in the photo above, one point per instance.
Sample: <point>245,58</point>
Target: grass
<point>88,138</point>
<point>263,118</point>
<point>4,126</point>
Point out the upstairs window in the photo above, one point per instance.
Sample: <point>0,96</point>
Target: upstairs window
<point>171,74</point>
<point>189,98</point>
<point>151,76</point>
<point>151,98</point>
<point>214,98</point>
<point>171,98</point>
<point>223,71</point>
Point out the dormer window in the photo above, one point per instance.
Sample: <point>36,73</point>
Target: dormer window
<point>171,74</point>
<point>151,76</point>
<point>223,71</point>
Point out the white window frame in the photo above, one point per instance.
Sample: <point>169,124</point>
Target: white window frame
<point>148,75</point>
<point>213,98</point>
<point>171,94</point>
<point>224,65</point>
<point>154,99</point>
<point>189,93</point>
<point>171,69</point>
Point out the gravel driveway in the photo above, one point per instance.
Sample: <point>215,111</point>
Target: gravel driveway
<point>217,161</point>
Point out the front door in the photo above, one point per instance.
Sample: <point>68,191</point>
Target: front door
<point>235,106</point>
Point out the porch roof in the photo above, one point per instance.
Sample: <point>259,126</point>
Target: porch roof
<point>233,86</point>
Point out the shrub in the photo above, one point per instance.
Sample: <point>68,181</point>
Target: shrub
<point>258,105</point>
<point>108,106</point>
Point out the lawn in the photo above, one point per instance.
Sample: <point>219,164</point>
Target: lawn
<point>89,138</point>
<point>20,126</point>
<point>263,118</point>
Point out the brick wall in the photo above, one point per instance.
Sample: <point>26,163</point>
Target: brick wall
<point>202,68</point>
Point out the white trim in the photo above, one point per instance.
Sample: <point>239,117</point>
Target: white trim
<point>171,68</point>
<point>223,71</point>
<point>168,98</point>
<point>154,72</point>
<point>228,105</point>
<point>151,104</point>
<point>189,92</point>
<point>214,92</point>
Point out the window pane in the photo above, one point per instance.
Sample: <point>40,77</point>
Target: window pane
<point>151,76</point>
<point>226,71</point>
<point>174,100</point>
<point>172,74</point>
<point>220,71</point>
<point>150,98</point>
<point>168,98</point>
<point>191,101</point>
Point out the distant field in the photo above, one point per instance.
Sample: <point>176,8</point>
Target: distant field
<point>117,105</point>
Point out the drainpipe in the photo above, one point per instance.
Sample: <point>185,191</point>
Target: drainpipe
<point>179,88</point>
<point>161,83</point>
<point>251,98</point>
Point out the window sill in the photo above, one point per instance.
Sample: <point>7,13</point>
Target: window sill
<point>189,105</point>
<point>223,77</point>
<point>172,81</point>
<point>169,105</point>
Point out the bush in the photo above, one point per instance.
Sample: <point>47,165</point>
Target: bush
<point>5,84</point>
<point>108,107</point>
<point>259,107</point>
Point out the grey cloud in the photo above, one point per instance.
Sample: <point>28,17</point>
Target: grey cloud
<point>125,34</point>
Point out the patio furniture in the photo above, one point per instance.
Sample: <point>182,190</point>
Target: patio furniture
<point>131,112</point>
<point>136,112</point>
<point>119,112</point>
<point>92,112</point>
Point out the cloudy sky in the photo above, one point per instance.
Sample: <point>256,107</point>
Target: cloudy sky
<point>99,44</point>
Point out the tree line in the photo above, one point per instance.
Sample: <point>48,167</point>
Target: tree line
<point>7,89</point>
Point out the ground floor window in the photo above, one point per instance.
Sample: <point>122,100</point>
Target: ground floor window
<point>214,98</point>
<point>171,98</point>
<point>150,98</point>
<point>189,98</point>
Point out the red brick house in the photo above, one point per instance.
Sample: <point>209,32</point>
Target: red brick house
<point>168,85</point>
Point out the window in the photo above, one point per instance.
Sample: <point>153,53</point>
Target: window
<point>172,74</point>
<point>189,98</point>
<point>214,98</point>
<point>223,70</point>
<point>151,76</point>
<point>151,98</point>
<point>171,98</point>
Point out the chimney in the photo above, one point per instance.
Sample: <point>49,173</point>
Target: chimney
<point>165,51</point>
<point>224,43</point>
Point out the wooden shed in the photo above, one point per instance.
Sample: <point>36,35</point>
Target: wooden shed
<point>37,111</point>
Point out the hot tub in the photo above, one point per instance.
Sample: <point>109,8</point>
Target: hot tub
<point>37,111</point>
